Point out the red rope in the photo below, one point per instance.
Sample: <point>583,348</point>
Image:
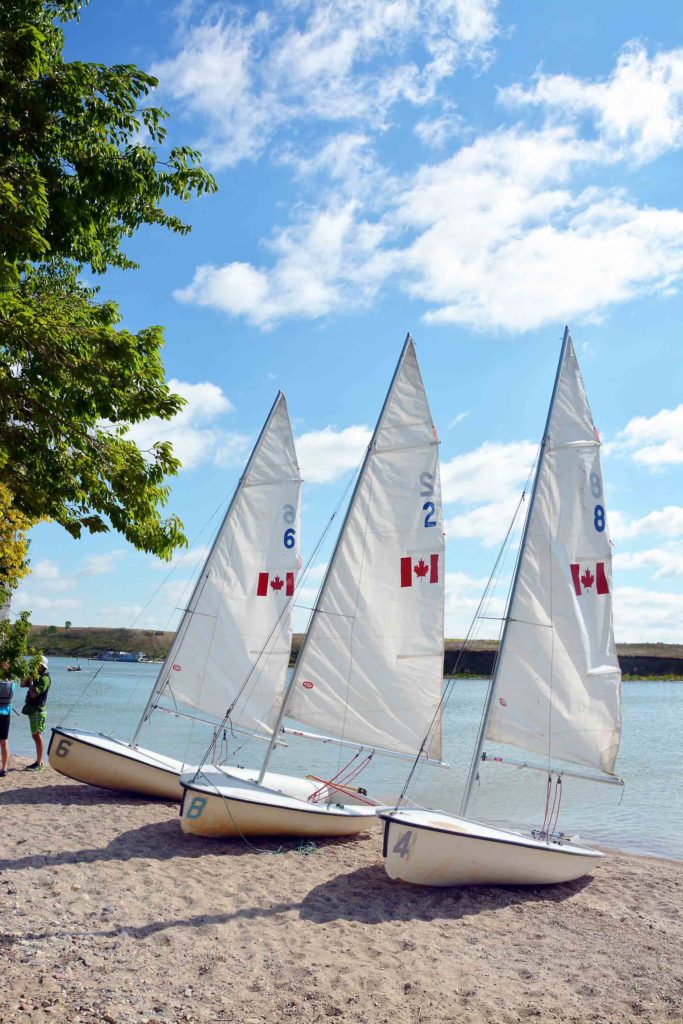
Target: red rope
<point>341,789</point>
<point>344,776</point>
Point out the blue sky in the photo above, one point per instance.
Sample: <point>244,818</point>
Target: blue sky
<point>476,173</point>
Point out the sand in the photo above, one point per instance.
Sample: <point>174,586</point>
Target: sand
<point>111,914</point>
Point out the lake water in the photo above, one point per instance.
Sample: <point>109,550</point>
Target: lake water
<point>646,816</point>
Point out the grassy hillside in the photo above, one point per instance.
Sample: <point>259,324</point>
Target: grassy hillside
<point>89,641</point>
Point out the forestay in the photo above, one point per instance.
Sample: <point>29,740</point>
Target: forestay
<point>371,667</point>
<point>238,622</point>
<point>557,678</point>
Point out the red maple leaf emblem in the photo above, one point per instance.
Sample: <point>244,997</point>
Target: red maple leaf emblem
<point>277,583</point>
<point>421,569</point>
<point>588,579</point>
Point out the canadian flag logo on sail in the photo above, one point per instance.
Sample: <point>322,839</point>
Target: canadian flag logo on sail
<point>585,580</point>
<point>420,569</point>
<point>276,584</point>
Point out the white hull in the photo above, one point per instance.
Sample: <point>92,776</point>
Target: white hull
<point>228,803</point>
<point>435,848</point>
<point>113,764</point>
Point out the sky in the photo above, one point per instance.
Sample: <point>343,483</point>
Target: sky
<point>476,173</point>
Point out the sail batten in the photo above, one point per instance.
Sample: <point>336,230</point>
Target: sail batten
<point>233,643</point>
<point>557,689</point>
<point>371,666</point>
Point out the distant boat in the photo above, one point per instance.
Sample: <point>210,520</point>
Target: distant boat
<point>229,636</point>
<point>73,668</point>
<point>555,687</point>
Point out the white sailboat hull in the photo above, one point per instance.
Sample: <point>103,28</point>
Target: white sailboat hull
<point>109,763</point>
<point>435,848</point>
<point>228,803</point>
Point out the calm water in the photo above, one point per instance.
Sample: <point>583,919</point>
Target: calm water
<point>647,816</point>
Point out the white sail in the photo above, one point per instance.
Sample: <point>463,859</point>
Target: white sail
<point>237,625</point>
<point>371,667</point>
<point>558,679</point>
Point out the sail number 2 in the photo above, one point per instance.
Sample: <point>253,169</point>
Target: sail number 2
<point>427,491</point>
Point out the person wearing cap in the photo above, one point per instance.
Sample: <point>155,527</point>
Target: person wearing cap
<point>6,693</point>
<point>34,707</point>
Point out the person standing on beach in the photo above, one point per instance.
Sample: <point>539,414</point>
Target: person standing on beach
<point>7,688</point>
<point>34,707</point>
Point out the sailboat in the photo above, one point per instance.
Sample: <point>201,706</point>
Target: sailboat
<point>555,689</point>
<point>234,636</point>
<point>370,669</point>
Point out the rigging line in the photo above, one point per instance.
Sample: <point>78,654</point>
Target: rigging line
<point>297,587</point>
<point>486,708</point>
<point>458,661</point>
<point>177,563</point>
<point>80,696</point>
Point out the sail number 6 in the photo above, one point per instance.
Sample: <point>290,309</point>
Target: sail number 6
<point>289,516</point>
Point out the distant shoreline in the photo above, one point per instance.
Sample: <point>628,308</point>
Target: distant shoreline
<point>637,661</point>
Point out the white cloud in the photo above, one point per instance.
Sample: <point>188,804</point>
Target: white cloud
<point>655,440</point>
<point>25,599</point>
<point>193,433</point>
<point>326,261</point>
<point>666,522</point>
<point>458,419</point>
<point>488,482</point>
<point>462,598</point>
<point>642,615</point>
<point>325,455</point>
<point>437,131</point>
<point>46,569</point>
<point>100,565</point>
<point>639,107</point>
<point>668,561</point>
<point>187,559</point>
<point>501,240</point>
<point>501,234</point>
<point>488,473</point>
<point>249,75</point>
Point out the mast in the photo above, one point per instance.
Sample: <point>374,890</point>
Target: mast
<point>476,758</point>
<point>316,610</point>
<point>201,579</point>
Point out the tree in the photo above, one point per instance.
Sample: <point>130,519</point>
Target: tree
<point>67,624</point>
<point>75,182</point>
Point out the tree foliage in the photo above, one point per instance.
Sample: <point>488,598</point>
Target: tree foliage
<point>75,182</point>
<point>15,648</point>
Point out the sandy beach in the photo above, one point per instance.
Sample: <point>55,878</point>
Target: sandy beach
<point>111,914</point>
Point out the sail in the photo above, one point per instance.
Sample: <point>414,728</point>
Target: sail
<point>371,666</point>
<point>237,625</point>
<point>557,679</point>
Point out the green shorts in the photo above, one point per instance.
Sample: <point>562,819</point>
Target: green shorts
<point>36,720</point>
